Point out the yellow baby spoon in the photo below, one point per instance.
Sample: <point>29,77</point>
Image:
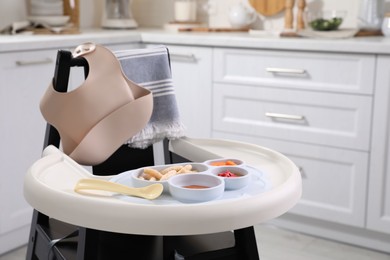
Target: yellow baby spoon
<point>148,192</point>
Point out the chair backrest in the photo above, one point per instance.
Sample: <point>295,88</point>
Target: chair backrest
<point>125,158</point>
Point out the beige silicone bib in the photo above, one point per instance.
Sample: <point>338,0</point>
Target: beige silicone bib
<point>96,118</point>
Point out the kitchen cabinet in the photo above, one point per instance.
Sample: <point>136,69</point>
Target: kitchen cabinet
<point>378,217</point>
<point>322,122</point>
<point>320,118</point>
<point>191,75</point>
<point>307,122</point>
<point>25,75</point>
<point>313,71</point>
<point>317,109</point>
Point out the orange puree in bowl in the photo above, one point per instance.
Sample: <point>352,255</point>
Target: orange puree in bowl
<point>222,163</point>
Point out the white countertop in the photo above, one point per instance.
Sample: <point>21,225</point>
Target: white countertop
<point>372,44</point>
<point>33,42</point>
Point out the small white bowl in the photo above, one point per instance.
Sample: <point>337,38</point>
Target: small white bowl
<point>195,187</point>
<point>139,182</point>
<point>233,183</point>
<point>50,20</point>
<point>46,12</point>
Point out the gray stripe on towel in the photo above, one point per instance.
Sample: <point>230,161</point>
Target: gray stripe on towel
<point>150,68</point>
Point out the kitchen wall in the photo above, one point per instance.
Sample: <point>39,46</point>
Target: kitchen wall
<point>11,11</point>
<point>155,13</point>
<point>16,10</point>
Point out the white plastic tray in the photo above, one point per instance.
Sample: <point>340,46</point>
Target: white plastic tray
<point>50,181</point>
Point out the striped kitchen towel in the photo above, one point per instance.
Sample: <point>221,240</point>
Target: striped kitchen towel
<point>150,68</point>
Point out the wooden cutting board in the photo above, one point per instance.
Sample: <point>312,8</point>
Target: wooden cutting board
<point>73,12</point>
<point>268,7</point>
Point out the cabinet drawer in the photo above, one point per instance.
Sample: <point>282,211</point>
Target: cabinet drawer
<point>309,117</point>
<point>348,73</point>
<point>333,180</point>
<point>25,76</point>
<point>28,60</point>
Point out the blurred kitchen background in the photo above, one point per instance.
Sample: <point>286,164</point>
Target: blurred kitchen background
<point>215,14</point>
<point>156,13</point>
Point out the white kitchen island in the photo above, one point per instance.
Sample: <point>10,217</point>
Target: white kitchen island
<point>322,102</point>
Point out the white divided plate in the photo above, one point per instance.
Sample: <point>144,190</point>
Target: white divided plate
<point>50,20</point>
<point>259,184</point>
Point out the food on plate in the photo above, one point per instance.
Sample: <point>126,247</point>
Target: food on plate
<point>169,174</point>
<point>155,175</point>
<point>174,167</point>
<point>152,173</point>
<point>228,174</point>
<point>223,163</point>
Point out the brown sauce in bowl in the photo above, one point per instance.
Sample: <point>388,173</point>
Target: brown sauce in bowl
<point>196,187</point>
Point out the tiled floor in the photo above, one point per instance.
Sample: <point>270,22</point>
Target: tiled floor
<point>18,254</point>
<point>279,244</point>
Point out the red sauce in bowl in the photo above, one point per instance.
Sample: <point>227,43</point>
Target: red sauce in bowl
<point>196,187</point>
<point>228,174</point>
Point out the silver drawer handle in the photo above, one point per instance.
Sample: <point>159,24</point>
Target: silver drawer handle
<point>33,62</point>
<point>183,57</point>
<point>287,71</point>
<point>284,116</point>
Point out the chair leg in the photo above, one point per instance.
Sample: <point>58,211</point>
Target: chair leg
<point>102,245</point>
<point>31,238</point>
<point>244,246</point>
<point>246,243</point>
<point>88,238</point>
<point>31,245</point>
<point>199,247</point>
<point>50,238</point>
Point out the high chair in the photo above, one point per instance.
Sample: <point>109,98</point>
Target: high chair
<point>55,238</point>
